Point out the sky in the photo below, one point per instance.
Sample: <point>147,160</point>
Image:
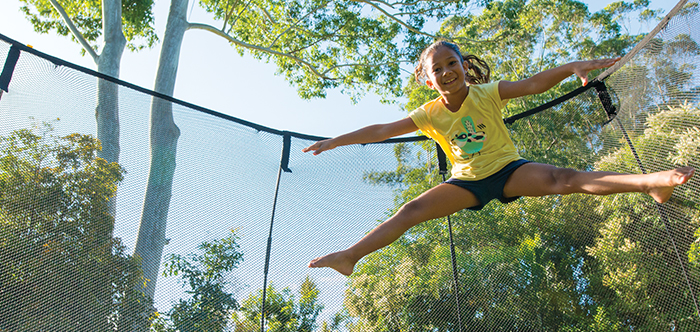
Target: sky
<point>213,75</point>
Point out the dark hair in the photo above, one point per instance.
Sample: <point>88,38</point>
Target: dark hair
<point>478,70</point>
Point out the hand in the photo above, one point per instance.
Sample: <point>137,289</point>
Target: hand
<point>582,68</point>
<point>320,146</point>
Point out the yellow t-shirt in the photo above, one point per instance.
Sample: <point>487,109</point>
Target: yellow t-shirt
<point>474,138</point>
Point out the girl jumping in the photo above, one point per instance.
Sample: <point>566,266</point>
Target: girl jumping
<point>467,122</point>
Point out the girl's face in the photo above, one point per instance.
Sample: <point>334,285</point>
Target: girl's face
<point>445,71</point>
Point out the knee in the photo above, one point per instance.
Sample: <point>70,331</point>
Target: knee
<point>413,207</point>
<point>561,180</point>
<point>412,213</point>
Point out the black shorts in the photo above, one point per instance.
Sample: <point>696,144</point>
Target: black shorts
<point>491,187</point>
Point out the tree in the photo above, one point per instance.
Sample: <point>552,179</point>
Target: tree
<point>210,305</point>
<point>60,268</point>
<point>638,260</point>
<point>120,24</point>
<point>282,312</point>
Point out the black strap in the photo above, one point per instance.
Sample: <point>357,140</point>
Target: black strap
<point>10,63</point>
<point>606,101</point>
<point>286,146</point>
<point>442,159</point>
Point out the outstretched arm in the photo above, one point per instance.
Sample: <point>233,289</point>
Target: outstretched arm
<point>545,80</point>
<point>369,134</point>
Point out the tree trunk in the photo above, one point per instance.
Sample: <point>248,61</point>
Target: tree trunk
<point>164,135</point>
<point>108,63</point>
<point>107,112</point>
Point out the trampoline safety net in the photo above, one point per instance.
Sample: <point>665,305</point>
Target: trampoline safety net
<point>209,225</point>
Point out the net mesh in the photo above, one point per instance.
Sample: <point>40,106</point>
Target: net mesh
<point>557,263</point>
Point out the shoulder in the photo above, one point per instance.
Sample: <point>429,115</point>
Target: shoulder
<point>490,91</point>
<point>422,116</point>
<point>429,107</point>
<point>487,88</point>
<point>433,104</point>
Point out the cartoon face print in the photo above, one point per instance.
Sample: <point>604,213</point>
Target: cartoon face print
<point>469,141</point>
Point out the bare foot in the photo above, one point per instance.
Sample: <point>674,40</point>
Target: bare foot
<point>339,261</point>
<point>667,180</point>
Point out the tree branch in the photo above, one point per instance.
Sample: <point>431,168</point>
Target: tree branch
<point>240,13</point>
<point>295,24</point>
<point>75,31</point>
<point>267,14</point>
<point>363,65</point>
<point>410,28</point>
<point>228,14</point>
<point>235,41</point>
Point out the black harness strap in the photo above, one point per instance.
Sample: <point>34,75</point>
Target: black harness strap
<point>9,68</point>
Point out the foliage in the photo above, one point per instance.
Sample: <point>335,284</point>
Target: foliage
<point>60,267</point>
<point>208,308</point>
<point>357,46</point>
<point>638,260</point>
<point>283,313</point>
<point>137,20</point>
<point>560,263</point>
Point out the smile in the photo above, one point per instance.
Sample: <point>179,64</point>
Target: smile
<point>450,81</point>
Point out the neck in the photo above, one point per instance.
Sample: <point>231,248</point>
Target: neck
<point>453,101</point>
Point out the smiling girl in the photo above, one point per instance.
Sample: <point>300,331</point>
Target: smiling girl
<point>467,122</point>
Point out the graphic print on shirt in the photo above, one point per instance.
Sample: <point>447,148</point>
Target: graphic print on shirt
<point>470,141</point>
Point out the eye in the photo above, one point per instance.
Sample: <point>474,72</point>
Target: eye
<point>453,62</point>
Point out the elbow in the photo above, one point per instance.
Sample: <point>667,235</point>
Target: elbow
<point>382,134</point>
<point>536,88</point>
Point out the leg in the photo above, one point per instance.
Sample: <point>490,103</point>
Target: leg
<point>440,201</point>
<point>535,179</point>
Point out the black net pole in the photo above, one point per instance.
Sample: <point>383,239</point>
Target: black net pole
<point>284,166</point>
<point>442,165</point>
<point>267,252</point>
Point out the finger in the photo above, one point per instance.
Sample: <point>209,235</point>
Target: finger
<point>609,62</point>
<point>309,148</point>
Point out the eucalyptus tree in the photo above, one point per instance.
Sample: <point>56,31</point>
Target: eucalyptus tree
<point>355,46</point>
<point>119,24</point>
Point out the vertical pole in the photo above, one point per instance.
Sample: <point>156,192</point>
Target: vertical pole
<point>442,165</point>
<point>267,254</point>
<point>284,166</point>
